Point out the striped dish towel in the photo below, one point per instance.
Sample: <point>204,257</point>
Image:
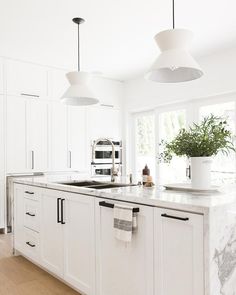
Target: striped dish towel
<point>125,222</point>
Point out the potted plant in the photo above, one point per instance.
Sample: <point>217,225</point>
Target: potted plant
<point>199,143</point>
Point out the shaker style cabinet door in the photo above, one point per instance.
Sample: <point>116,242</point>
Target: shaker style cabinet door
<point>26,79</point>
<point>77,143</point>
<point>79,243</point>
<point>16,135</point>
<point>124,268</point>
<point>37,135</point>
<point>1,77</point>
<point>178,253</point>
<point>58,138</point>
<point>51,231</point>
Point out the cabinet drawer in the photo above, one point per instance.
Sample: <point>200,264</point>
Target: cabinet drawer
<point>31,193</point>
<point>31,214</point>
<point>31,244</point>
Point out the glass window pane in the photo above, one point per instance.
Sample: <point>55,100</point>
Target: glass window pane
<point>145,143</point>
<point>169,125</point>
<point>223,167</point>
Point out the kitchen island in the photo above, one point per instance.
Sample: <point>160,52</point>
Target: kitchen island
<point>184,243</point>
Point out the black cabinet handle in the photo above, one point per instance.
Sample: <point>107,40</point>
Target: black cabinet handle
<point>175,217</point>
<point>58,210</point>
<point>62,211</point>
<point>31,245</point>
<point>30,214</point>
<point>29,193</point>
<point>109,205</point>
<point>30,95</point>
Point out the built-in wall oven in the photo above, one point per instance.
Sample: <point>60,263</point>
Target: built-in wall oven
<point>101,164</point>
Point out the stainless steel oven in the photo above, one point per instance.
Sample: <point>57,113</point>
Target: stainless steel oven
<point>104,169</point>
<point>103,152</point>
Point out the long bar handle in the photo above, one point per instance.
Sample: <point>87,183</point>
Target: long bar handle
<point>32,160</point>
<point>70,158</point>
<point>109,205</point>
<point>58,210</point>
<point>30,95</point>
<point>62,211</point>
<point>175,217</point>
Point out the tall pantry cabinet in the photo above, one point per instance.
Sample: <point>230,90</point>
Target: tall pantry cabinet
<point>2,149</point>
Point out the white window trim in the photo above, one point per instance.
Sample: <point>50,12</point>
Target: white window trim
<point>192,109</point>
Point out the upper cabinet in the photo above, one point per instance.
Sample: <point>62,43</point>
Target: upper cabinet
<point>26,79</point>
<point>103,122</point>
<point>1,77</point>
<point>58,84</point>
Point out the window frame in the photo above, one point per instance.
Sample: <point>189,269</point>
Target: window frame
<point>192,109</point>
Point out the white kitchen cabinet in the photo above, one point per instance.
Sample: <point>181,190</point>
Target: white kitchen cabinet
<point>79,241</point>
<point>59,83</point>
<point>178,253</point>
<point>124,268</point>
<point>2,202</point>
<point>104,122</point>
<point>16,135</point>
<point>2,163</point>
<point>1,77</point>
<point>19,217</point>
<point>37,135</point>
<point>26,79</point>
<point>77,139</point>
<point>51,231</point>
<point>58,134</point>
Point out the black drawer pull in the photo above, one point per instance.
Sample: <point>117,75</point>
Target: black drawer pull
<point>31,245</point>
<point>29,193</point>
<point>30,214</point>
<point>30,95</point>
<point>58,210</point>
<point>175,217</point>
<point>62,211</point>
<point>109,205</point>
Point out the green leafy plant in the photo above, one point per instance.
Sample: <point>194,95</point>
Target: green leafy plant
<point>206,139</point>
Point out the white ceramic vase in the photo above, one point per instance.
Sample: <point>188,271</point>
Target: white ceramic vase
<point>201,172</point>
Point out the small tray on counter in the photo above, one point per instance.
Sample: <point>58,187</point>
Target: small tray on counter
<point>187,187</point>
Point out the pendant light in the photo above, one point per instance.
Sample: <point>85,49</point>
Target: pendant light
<point>174,64</point>
<point>79,94</point>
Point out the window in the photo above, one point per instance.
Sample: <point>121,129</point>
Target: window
<point>169,125</point>
<point>145,143</point>
<point>223,167</point>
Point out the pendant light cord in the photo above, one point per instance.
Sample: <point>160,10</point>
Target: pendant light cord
<point>78,51</point>
<point>173,13</point>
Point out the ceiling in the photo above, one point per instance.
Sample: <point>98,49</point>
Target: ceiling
<point>117,37</point>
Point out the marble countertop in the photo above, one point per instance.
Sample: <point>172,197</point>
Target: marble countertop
<point>155,196</point>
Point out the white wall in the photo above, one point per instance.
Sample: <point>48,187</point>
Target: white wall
<point>218,83</point>
<point>219,78</point>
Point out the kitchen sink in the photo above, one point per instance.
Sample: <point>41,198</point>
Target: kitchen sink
<point>110,185</point>
<point>83,183</point>
<point>96,184</point>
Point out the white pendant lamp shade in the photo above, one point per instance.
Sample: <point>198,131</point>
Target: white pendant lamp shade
<point>174,64</point>
<point>79,94</point>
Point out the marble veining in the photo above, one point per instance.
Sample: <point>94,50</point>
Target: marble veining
<point>226,263</point>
